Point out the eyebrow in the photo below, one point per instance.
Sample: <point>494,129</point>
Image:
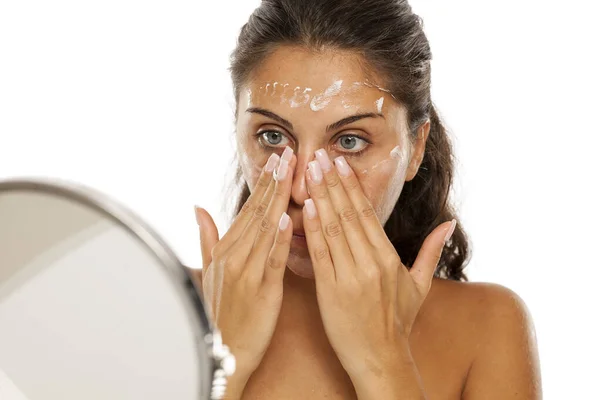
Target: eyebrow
<point>335,125</point>
<point>272,115</point>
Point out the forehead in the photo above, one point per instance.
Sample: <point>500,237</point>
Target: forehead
<point>315,89</point>
<point>309,68</point>
<point>336,79</point>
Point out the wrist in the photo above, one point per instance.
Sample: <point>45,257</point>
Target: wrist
<point>236,383</point>
<point>235,386</point>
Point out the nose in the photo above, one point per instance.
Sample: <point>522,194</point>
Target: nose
<point>299,189</point>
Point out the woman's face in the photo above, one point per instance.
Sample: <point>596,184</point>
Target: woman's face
<point>310,101</point>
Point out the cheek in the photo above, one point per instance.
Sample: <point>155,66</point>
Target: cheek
<point>251,162</point>
<point>382,183</point>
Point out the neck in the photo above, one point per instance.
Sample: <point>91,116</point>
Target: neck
<point>300,325</point>
<point>300,309</point>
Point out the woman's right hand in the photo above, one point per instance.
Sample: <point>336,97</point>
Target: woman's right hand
<point>242,274</point>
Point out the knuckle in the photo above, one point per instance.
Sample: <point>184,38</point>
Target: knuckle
<point>348,214</point>
<point>313,228</point>
<point>320,194</point>
<point>281,239</point>
<point>227,263</point>
<point>247,208</point>
<point>367,212</point>
<point>351,184</point>
<point>333,229</point>
<point>372,275</point>
<point>332,180</point>
<point>266,226</point>
<point>265,180</point>
<point>320,253</point>
<point>394,261</point>
<point>232,266</point>
<point>273,262</point>
<point>280,192</point>
<point>390,264</point>
<point>391,260</point>
<point>261,210</point>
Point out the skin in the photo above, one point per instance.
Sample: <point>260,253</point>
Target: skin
<point>381,176</point>
<point>346,319</point>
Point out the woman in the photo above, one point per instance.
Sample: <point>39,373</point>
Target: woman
<point>342,274</point>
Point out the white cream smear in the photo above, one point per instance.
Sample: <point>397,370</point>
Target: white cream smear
<point>372,85</point>
<point>379,104</point>
<point>282,97</point>
<point>300,99</point>
<point>395,157</point>
<point>302,96</point>
<point>320,101</point>
<point>394,168</point>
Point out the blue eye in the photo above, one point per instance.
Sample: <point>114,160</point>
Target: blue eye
<point>273,138</point>
<point>352,143</point>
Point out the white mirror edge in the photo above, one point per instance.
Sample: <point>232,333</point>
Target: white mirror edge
<point>222,361</point>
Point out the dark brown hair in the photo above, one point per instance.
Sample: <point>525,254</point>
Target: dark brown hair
<point>390,39</point>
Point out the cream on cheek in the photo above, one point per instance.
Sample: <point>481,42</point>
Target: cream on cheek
<point>383,181</point>
<point>251,170</point>
<point>251,162</point>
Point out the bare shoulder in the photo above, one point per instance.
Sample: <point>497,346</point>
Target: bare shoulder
<point>498,337</point>
<point>481,311</point>
<point>486,300</point>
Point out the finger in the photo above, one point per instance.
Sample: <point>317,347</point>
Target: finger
<point>331,227</point>
<point>260,235</point>
<point>254,200</point>
<point>209,236</point>
<point>429,256</point>
<point>278,256</point>
<point>348,216</point>
<point>317,245</point>
<point>366,213</point>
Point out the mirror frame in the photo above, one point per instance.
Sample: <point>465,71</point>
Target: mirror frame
<point>222,362</point>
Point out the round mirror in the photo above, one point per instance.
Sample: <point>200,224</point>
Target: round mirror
<point>94,305</point>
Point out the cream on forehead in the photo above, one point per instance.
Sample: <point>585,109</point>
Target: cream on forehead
<point>379,104</point>
<point>320,101</point>
<point>372,85</point>
<point>301,96</point>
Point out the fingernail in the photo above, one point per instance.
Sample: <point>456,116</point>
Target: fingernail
<point>315,172</point>
<point>323,160</point>
<point>282,170</point>
<point>311,210</point>
<point>287,154</point>
<point>272,163</point>
<point>342,166</point>
<point>450,231</point>
<point>284,221</point>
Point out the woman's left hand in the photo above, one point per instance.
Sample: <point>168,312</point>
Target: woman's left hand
<point>367,298</point>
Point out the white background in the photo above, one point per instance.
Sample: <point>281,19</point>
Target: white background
<point>133,98</point>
